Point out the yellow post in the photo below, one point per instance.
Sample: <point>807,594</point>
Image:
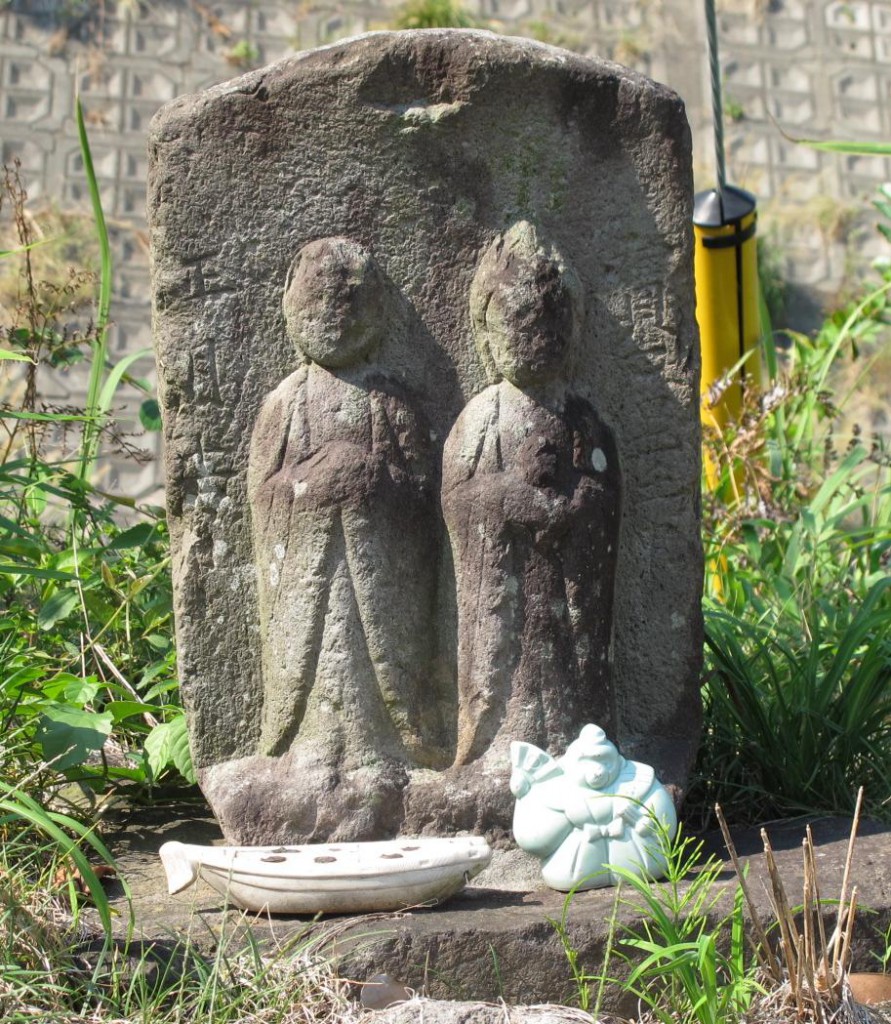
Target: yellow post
<point>726,269</point>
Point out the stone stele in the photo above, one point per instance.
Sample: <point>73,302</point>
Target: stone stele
<point>423,309</point>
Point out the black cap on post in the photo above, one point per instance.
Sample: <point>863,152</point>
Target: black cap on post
<point>714,209</point>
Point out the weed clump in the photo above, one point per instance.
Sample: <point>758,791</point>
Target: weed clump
<point>797,685</point>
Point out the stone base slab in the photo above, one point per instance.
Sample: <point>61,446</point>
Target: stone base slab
<point>488,943</point>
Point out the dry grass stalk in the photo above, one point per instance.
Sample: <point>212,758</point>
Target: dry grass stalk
<point>845,956</point>
<point>811,957</point>
<point>812,983</point>
<point>834,942</point>
<point>763,949</point>
<point>788,931</point>
<point>824,956</point>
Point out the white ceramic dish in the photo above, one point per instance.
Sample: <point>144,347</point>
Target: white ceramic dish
<point>332,877</point>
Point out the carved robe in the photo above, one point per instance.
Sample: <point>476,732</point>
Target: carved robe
<point>530,497</point>
<point>344,532</point>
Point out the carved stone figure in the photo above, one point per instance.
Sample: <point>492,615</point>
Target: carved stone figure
<point>530,496</point>
<point>342,506</point>
<point>334,602</point>
<point>589,811</point>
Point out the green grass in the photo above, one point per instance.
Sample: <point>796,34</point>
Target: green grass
<point>434,14</point>
<point>797,681</point>
<point>87,663</point>
<point>685,959</point>
<point>57,965</point>
<point>798,718</point>
<point>679,966</point>
<point>695,949</point>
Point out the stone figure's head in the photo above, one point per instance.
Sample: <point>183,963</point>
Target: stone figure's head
<point>334,302</point>
<point>526,306</point>
<point>592,760</point>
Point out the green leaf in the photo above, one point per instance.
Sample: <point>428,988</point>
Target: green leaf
<point>135,537</point>
<point>842,146</point>
<point>158,642</point>
<point>10,526</point>
<point>752,540</point>
<point>841,476</point>
<point>66,355</point>
<point>90,436</point>
<point>68,735</point>
<point>57,608</point>
<point>137,586</point>
<point>21,336</point>
<point>162,688</point>
<point>16,357</point>
<point>108,577</point>
<point>19,806</point>
<point>71,689</point>
<point>25,248</point>
<point>16,682</point>
<point>121,710</point>
<point>168,743</point>
<point>43,417</point>
<point>150,415</point>
<point>114,378</point>
<point>20,547</point>
<point>852,148</point>
<point>152,671</point>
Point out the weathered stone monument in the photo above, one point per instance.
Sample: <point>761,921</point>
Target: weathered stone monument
<point>424,323</point>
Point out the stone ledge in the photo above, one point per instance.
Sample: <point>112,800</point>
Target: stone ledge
<point>486,944</point>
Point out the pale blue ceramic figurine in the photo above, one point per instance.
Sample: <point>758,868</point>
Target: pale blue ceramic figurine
<point>589,811</point>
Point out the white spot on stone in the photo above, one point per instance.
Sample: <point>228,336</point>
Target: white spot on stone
<point>273,574</point>
<point>220,550</point>
<point>428,113</point>
<point>299,487</point>
<point>598,460</point>
<point>678,621</point>
<point>279,551</point>
<point>207,497</point>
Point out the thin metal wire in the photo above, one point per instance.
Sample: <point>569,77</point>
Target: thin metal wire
<point>714,64</point>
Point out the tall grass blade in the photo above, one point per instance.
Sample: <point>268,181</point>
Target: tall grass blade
<point>17,806</point>
<point>115,377</point>
<point>94,413</point>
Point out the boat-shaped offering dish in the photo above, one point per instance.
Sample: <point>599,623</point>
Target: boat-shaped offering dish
<point>330,878</point>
